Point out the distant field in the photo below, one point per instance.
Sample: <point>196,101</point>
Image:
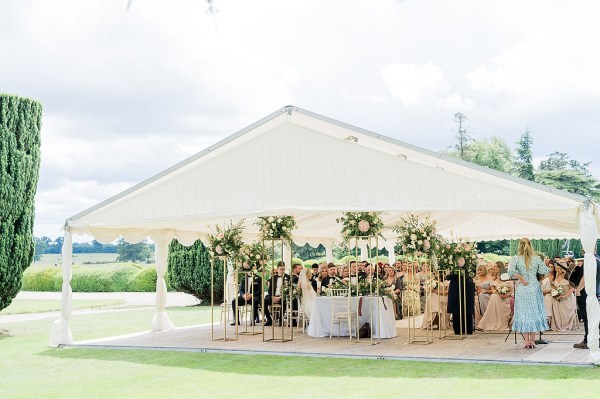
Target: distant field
<point>78,259</point>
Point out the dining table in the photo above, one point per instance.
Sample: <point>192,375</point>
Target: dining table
<point>378,311</point>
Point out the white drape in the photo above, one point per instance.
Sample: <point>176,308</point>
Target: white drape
<point>161,320</point>
<point>588,230</point>
<point>60,332</point>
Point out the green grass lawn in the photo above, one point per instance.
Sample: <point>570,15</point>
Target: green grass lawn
<point>20,306</point>
<point>29,369</point>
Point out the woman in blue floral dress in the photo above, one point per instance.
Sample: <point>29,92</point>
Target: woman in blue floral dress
<point>530,313</point>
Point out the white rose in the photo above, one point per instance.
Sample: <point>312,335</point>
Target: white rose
<point>271,219</point>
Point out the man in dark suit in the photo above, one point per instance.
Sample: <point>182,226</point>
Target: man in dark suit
<point>250,291</point>
<point>276,285</point>
<point>461,308</point>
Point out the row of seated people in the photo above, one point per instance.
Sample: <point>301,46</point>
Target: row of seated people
<point>250,294</point>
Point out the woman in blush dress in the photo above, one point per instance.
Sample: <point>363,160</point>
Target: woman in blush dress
<point>497,314</point>
<point>436,302</point>
<point>530,314</point>
<point>564,306</point>
<point>483,286</point>
<point>547,284</point>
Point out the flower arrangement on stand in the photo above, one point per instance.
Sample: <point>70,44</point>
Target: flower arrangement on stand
<point>276,227</point>
<point>255,255</point>
<point>450,251</point>
<point>417,237</point>
<point>227,241</point>
<point>360,224</point>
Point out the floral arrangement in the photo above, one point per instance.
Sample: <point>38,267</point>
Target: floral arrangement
<point>430,285</point>
<point>417,237</point>
<point>255,255</point>
<point>276,227</point>
<point>295,291</point>
<point>337,284</point>
<point>360,224</point>
<point>557,291</point>
<point>450,251</point>
<point>227,241</point>
<point>503,290</point>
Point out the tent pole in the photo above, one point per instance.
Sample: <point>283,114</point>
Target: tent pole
<point>161,320</point>
<point>329,252</point>
<point>588,232</point>
<point>60,332</point>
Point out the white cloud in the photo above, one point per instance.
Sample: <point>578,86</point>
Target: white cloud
<point>411,83</point>
<point>456,103</point>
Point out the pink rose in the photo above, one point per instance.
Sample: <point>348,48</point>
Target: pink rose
<point>219,249</point>
<point>426,244</point>
<point>363,226</point>
<point>220,236</point>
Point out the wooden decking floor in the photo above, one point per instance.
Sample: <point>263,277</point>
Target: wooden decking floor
<point>479,347</point>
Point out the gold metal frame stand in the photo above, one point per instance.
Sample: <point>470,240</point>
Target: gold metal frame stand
<point>442,306</point>
<point>288,306</point>
<point>244,310</point>
<point>462,313</point>
<point>223,259</point>
<point>412,327</point>
<point>373,261</point>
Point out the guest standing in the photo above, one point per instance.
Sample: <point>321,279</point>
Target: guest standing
<point>530,313</point>
<point>461,300</point>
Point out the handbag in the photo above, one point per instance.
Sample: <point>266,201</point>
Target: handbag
<point>364,331</point>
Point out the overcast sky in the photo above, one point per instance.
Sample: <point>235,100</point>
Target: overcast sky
<point>127,93</point>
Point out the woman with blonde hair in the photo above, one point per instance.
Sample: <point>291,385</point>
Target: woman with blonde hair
<point>530,313</point>
<point>483,286</point>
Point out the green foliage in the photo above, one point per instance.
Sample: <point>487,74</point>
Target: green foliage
<point>139,252</point>
<point>42,279</point>
<point>551,248</point>
<point>494,154</point>
<point>573,181</point>
<point>523,162</point>
<point>189,271</point>
<point>308,252</point>
<point>121,278</point>
<point>144,280</point>
<point>20,122</point>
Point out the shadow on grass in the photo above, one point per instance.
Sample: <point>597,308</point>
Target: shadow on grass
<point>266,365</point>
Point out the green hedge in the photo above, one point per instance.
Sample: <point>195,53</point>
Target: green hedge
<point>120,278</point>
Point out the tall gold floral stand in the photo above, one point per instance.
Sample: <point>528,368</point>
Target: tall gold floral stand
<point>270,246</point>
<point>225,337</point>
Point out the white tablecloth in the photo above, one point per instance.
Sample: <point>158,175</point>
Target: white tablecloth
<point>320,317</point>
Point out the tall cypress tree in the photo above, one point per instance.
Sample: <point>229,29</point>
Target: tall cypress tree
<point>20,122</point>
<point>189,271</point>
<point>523,163</point>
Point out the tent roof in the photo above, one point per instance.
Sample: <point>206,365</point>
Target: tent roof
<point>298,163</point>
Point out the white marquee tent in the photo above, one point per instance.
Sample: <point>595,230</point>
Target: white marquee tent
<point>295,162</point>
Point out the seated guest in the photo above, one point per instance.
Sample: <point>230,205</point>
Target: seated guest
<point>435,315</point>
<point>315,271</point>
<point>564,306</point>
<point>345,275</point>
<point>547,284</point>
<point>249,293</point>
<point>483,286</point>
<point>275,290</point>
<point>331,278</point>
<point>323,275</point>
<point>497,313</point>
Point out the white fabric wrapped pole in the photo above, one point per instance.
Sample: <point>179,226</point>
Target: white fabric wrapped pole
<point>285,256</point>
<point>364,250</point>
<point>389,246</point>
<point>60,332</point>
<point>329,252</point>
<point>588,230</point>
<point>161,321</point>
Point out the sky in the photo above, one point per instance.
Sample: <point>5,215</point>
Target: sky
<point>129,88</point>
